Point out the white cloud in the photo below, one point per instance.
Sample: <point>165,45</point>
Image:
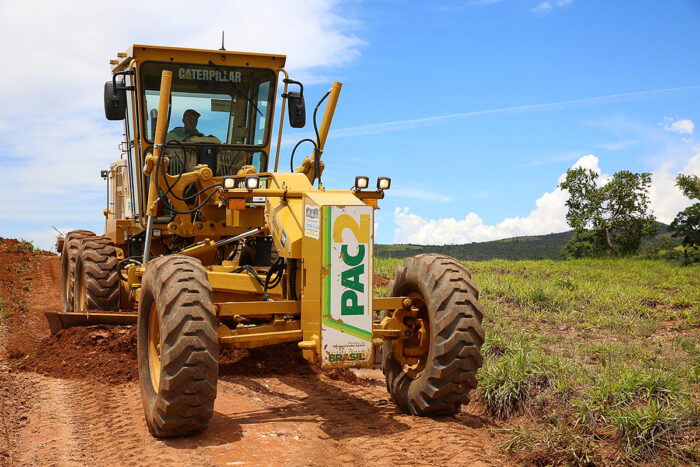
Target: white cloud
<point>544,8</point>
<point>548,216</point>
<point>666,199</point>
<point>53,133</point>
<point>60,51</point>
<point>682,127</point>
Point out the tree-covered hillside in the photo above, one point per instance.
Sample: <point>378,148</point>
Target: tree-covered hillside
<point>535,247</point>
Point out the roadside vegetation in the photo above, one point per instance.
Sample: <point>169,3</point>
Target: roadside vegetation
<point>613,219</point>
<point>591,360</point>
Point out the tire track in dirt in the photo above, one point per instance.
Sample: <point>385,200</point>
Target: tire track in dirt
<point>270,410</point>
<point>78,422</point>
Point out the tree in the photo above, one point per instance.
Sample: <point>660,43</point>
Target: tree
<point>618,210</point>
<point>583,244</point>
<point>687,222</point>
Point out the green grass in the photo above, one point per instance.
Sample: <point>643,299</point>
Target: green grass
<point>386,266</point>
<point>27,246</point>
<point>598,354</point>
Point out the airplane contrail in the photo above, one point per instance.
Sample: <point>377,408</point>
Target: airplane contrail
<point>403,124</point>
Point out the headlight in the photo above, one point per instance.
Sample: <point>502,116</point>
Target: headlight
<point>383,183</point>
<point>229,182</point>
<point>252,183</point>
<point>361,182</point>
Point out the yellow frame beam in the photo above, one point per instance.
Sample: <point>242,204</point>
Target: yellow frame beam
<point>239,283</point>
<point>282,307</point>
<point>278,332</point>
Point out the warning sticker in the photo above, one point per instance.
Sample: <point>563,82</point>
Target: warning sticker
<point>312,221</point>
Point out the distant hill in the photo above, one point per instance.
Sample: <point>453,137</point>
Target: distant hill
<point>532,247</point>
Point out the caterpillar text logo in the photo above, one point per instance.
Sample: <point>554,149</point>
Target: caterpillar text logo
<point>205,74</point>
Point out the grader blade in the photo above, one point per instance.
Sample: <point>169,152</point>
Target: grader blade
<point>58,321</point>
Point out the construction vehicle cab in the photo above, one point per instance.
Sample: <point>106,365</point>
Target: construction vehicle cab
<point>209,244</point>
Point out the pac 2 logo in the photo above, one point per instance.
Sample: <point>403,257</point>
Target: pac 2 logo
<point>353,263</point>
<point>346,294</point>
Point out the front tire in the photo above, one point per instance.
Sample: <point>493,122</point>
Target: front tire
<point>177,346</point>
<point>434,377</point>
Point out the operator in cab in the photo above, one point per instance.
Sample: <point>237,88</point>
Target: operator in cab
<point>181,133</point>
<point>189,133</point>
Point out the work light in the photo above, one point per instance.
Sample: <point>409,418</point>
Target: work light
<point>383,183</point>
<point>252,182</point>
<point>229,183</point>
<point>361,182</point>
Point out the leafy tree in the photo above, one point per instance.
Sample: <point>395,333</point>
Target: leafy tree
<point>689,185</point>
<point>583,244</point>
<point>618,211</point>
<point>687,222</point>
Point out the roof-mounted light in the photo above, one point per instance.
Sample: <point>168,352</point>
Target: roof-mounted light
<point>383,183</point>
<point>361,182</point>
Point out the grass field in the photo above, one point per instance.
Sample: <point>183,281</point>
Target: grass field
<point>591,360</point>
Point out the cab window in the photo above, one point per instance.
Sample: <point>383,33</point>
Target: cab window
<point>231,104</point>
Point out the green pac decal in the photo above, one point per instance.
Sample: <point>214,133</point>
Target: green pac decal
<point>348,304</point>
<point>350,278</point>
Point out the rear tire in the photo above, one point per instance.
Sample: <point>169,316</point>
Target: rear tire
<point>446,372</point>
<point>177,346</point>
<point>96,284</point>
<point>69,255</point>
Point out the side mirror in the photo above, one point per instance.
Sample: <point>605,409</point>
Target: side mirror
<point>115,100</point>
<point>296,105</point>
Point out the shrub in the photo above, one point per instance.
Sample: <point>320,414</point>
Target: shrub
<point>583,244</point>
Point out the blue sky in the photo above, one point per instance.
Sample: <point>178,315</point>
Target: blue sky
<point>474,108</point>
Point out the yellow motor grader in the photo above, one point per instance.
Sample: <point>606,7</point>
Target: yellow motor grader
<point>209,244</point>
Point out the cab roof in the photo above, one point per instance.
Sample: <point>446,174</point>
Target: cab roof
<point>143,53</point>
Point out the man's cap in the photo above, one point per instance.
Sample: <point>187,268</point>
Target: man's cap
<point>190,112</point>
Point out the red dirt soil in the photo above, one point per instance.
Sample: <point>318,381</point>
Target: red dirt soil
<point>381,281</point>
<point>73,398</point>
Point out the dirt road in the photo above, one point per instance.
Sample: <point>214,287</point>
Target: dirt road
<point>73,399</point>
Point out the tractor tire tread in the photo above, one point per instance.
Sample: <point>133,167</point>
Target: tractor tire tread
<point>189,347</point>
<point>98,258</point>
<point>69,255</point>
<point>455,318</point>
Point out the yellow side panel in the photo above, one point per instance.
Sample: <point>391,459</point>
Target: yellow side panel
<point>285,217</point>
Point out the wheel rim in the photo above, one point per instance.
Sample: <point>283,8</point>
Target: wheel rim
<point>154,347</point>
<point>412,349</point>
